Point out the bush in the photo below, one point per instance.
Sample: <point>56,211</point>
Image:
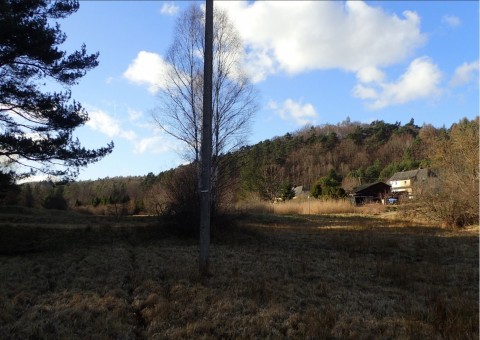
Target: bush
<point>55,200</point>
<point>441,202</point>
<point>9,191</point>
<point>182,206</point>
<point>452,198</point>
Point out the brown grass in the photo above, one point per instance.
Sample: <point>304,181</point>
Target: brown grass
<point>344,276</point>
<point>298,207</point>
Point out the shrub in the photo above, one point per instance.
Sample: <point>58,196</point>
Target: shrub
<point>8,189</point>
<point>452,198</point>
<point>182,206</point>
<point>55,199</point>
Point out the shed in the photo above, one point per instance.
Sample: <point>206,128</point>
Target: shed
<point>370,192</point>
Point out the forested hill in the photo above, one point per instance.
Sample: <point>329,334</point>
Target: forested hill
<point>348,153</point>
<point>358,153</point>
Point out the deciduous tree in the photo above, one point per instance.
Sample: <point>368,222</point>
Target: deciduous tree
<point>453,197</point>
<point>181,100</point>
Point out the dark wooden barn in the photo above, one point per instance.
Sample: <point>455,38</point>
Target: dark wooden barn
<point>370,193</point>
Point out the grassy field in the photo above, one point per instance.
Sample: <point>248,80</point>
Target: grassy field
<point>66,276</point>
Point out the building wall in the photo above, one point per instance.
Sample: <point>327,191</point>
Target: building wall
<point>402,186</point>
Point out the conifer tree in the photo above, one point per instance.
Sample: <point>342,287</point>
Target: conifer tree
<point>36,125</point>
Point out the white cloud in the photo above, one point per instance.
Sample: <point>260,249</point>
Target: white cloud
<point>451,20</point>
<point>260,64</point>
<point>291,110</point>
<point>37,178</point>
<point>420,80</point>
<point>134,114</point>
<point>465,73</point>
<point>298,36</point>
<point>148,69</point>
<point>169,8</point>
<point>370,74</point>
<point>364,92</point>
<point>153,144</point>
<point>101,121</point>
<point>158,141</point>
<point>150,138</point>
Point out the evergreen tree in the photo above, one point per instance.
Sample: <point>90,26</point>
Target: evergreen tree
<point>7,186</point>
<point>287,192</point>
<point>328,186</point>
<point>372,173</point>
<point>316,190</point>
<point>55,199</point>
<point>29,197</point>
<point>37,126</point>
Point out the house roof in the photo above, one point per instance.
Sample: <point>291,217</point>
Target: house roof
<point>419,174</point>
<point>298,190</point>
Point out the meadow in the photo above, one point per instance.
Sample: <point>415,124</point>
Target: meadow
<point>333,276</point>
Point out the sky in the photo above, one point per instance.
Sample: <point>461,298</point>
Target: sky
<point>311,62</point>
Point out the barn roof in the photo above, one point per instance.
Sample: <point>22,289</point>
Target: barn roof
<point>378,185</point>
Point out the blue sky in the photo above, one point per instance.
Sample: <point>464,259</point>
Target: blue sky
<point>312,63</point>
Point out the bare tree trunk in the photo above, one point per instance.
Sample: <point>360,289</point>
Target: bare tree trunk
<point>206,145</point>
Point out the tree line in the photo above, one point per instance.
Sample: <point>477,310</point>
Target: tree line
<point>357,153</point>
<point>327,160</point>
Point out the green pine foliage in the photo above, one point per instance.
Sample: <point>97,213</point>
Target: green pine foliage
<point>328,186</point>
<point>287,192</point>
<point>8,190</point>
<point>55,199</point>
<point>37,125</point>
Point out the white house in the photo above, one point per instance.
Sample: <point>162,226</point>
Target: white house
<point>403,182</point>
<point>300,192</point>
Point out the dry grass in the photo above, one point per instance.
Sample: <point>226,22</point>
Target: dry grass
<point>337,277</point>
<point>299,207</point>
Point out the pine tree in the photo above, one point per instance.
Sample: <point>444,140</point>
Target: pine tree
<point>36,126</point>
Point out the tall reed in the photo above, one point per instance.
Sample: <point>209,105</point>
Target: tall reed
<point>299,207</point>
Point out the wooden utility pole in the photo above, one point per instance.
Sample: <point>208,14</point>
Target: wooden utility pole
<point>206,147</point>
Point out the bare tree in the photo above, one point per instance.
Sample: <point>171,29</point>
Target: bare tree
<point>181,100</point>
<point>179,112</point>
<point>270,182</point>
<point>234,100</point>
<point>452,197</point>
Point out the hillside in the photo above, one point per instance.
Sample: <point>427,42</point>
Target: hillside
<point>359,153</point>
<point>353,153</point>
